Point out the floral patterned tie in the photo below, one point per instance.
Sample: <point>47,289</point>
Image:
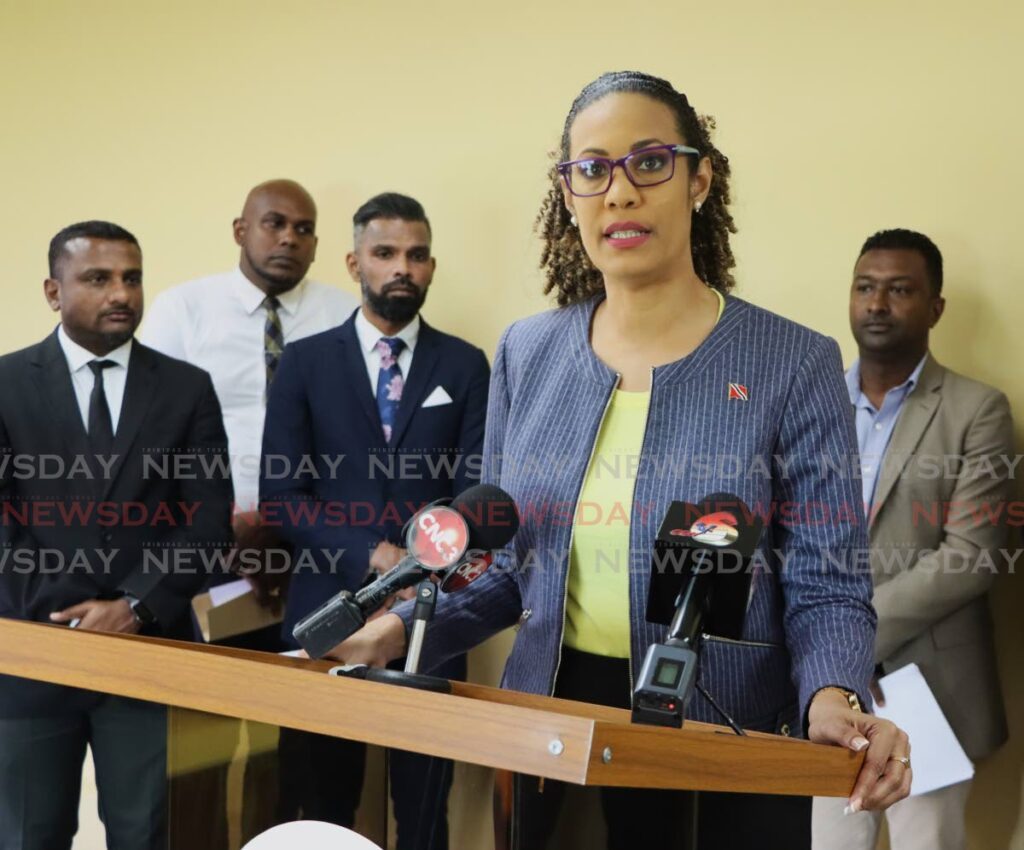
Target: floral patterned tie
<point>389,382</point>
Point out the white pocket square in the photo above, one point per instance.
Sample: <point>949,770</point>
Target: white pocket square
<point>437,398</point>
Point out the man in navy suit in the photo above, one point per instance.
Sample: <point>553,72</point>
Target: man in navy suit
<point>366,423</point>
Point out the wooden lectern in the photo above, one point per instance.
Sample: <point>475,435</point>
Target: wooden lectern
<point>546,737</point>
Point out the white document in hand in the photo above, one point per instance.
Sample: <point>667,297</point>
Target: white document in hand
<point>221,594</point>
<point>935,753</point>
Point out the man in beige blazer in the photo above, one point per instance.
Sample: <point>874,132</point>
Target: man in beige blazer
<point>937,457</point>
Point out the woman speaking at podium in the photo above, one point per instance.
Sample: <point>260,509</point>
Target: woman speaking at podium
<point>649,359</point>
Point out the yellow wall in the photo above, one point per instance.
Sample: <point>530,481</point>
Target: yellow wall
<point>839,120</point>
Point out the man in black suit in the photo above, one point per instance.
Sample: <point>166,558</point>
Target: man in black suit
<point>107,523</point>
<point>392,413</point>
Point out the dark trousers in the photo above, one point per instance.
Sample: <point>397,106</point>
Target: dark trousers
<point>41,776</point>
<point>668,820</point>
<point>322,779</point>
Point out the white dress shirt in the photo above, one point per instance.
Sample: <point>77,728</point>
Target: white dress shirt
<point>83,379</point>
<point>369,336</point>
<point>217,324</point>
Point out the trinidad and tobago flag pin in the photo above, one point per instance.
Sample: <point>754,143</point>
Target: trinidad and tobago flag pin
<point>738,392</point>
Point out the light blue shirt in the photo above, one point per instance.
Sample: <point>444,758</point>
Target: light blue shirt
<point>875,427</point>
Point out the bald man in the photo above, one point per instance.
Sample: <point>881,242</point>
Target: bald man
<point>235,325</point>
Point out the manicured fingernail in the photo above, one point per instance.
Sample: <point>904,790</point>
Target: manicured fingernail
<point>853,808</point>
<point>859,744</point>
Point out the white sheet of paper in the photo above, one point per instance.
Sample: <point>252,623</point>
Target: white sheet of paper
<point>223,593</point>
<point>935,753</point>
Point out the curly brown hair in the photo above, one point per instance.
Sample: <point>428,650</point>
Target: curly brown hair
<point>567,268</point>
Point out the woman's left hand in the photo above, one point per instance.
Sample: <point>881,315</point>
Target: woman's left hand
<point>885,776</point>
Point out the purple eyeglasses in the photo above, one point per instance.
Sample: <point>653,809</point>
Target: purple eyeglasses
<point>585,178</point>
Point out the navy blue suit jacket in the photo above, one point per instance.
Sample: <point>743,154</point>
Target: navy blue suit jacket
<point>330,483</point>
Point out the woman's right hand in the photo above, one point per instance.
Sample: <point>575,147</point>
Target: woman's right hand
<point>375,644</point>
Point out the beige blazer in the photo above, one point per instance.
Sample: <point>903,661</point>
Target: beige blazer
<point>937,527</point>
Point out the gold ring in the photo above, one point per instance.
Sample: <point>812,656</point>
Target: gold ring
<point>904,760</point>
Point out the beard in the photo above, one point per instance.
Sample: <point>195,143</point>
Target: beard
<point>99,342</point>
<point>116,339</point>
<point>397,309</point>
<point>108,339</point>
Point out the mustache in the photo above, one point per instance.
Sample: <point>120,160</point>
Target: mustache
<point>404,282</point>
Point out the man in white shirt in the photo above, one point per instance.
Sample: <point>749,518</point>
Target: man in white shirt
<point>234,325</point>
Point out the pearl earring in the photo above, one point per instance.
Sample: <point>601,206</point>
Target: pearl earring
<point>572,220</point>
<point>696,207</point>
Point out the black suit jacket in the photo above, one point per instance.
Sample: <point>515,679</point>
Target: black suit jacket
<point>148,520</point>
<point>323,407</point>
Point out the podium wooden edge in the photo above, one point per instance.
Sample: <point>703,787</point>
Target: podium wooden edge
<point>631,756</point>
<point>556,739</point>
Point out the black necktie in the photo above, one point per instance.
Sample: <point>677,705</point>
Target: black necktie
<point>101,429</point>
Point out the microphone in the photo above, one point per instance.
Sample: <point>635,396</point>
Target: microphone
<point>438,539</point>
<point>493,520</point>
<point>699,582</point>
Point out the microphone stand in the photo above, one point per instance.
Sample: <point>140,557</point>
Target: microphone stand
<point>423,613</point>
<point>669,673</point>
<point>410,677</point>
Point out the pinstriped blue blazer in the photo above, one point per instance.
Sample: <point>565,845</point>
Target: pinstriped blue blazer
<point>790,445</point>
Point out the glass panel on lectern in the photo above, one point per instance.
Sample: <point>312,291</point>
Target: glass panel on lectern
<point>230,780</point>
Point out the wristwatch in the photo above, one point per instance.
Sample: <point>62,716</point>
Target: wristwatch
<point>851,697</point>
<point>143,616</point>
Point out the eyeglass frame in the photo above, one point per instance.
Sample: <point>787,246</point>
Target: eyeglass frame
<point>563,168</point>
